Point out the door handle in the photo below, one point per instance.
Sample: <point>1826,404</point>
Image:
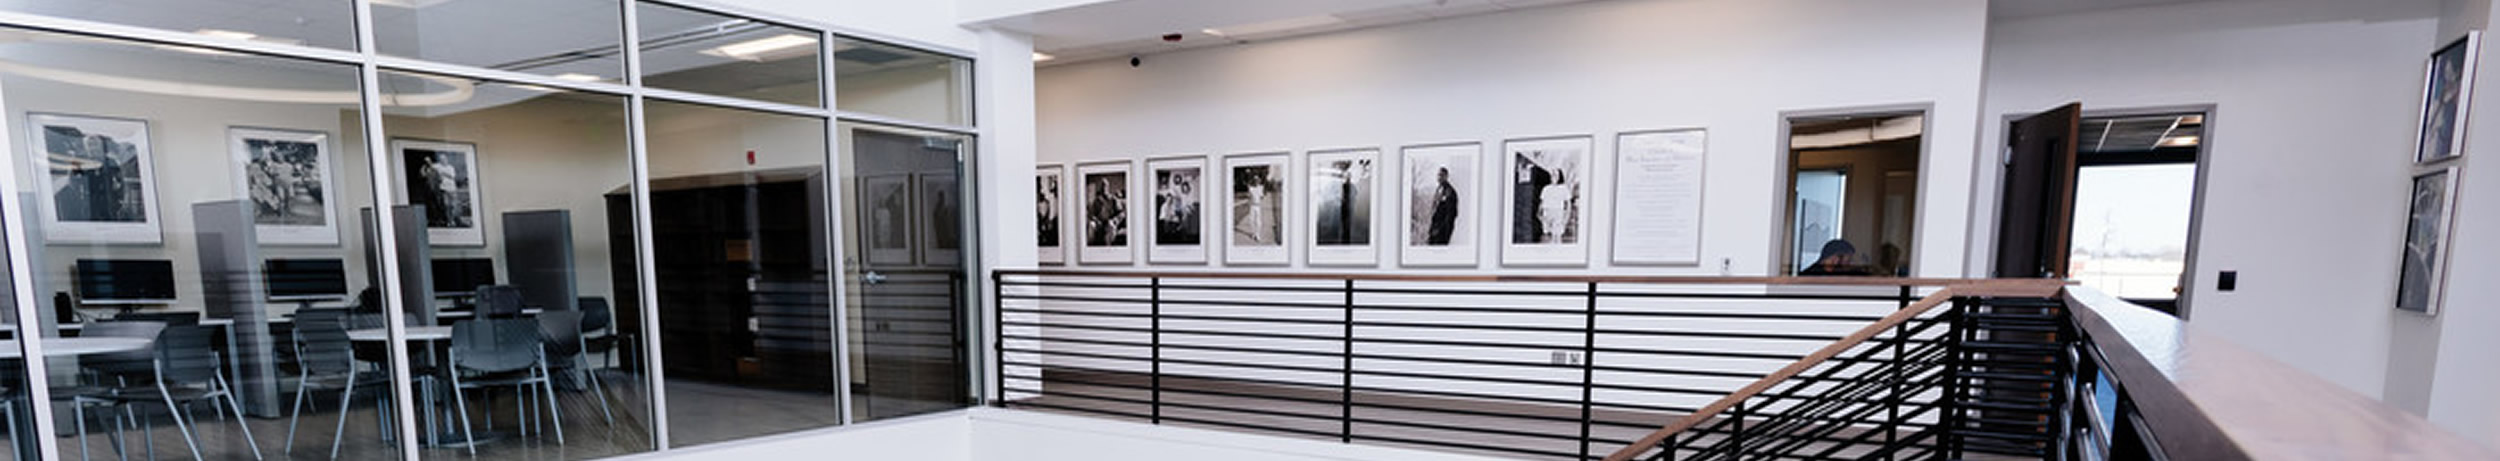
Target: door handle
<point>872,278</point>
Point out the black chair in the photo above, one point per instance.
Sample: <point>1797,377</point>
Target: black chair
<point>493,353</point>
<point>562,333</point>
<point>498,301</point>
<point>598,336</point>
<point>187,371</point>
<point>326,361</point>
<point>100,371</point>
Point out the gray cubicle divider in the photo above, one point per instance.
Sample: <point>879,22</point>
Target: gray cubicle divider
<point>416,257</point>
<point>538,253</point>
<point>230,279</point>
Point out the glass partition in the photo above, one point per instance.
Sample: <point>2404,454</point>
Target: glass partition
<point>902,83</point>
<point>703,52</point>
<point>739,244</point>
<point>576,40</point>
<point>315,23</point>
<point>195,224</point>
<point>910,297</point>
<point>528,221</point>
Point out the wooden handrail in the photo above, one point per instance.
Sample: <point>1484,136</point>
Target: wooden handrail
<point>2024,288</point>
<point>1394,277</point>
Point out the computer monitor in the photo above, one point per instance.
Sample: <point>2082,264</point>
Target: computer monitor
<point>457,277</point>
<point>125,281</point>
<point>307,279</point>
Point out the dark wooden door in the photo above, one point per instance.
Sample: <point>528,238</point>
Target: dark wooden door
<point>2036,214</point>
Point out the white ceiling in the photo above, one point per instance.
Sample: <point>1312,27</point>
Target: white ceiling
<point>2016,9</point>
<point>1124,28</point>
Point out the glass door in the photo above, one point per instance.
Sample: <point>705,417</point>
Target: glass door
<point>909,287</point>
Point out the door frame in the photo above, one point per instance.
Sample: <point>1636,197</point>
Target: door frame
<point>2196,202</point>
<point>1782,197</point>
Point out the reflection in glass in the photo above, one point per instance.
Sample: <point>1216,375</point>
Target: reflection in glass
<point>702,52</point>
<point>905,210</point>
<point>738,240</point>
<point>529,224</point>
<point>903,83</point>
<point>567,39</point>
<point>316,23</point>
<point>195,214</point>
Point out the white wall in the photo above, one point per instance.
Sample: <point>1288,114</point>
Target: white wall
<point>2460,394</point>
<point>2306,174</point>
<point>1587,69</point>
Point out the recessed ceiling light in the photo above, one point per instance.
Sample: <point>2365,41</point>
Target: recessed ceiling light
<point>578,77</point>
<point>1212,31</point>
<point>194,50</point>
<point>1040,56</point>
<point>2179,141</point>
<point>227,34</point>
<point>759,49</point>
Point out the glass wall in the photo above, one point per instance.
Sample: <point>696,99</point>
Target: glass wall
<point>480,254</point>
<point>528,218</point>
<point>194,220</point>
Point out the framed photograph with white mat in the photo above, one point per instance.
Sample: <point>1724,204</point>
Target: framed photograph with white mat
<point>98,179</point>
<point>1104,211</point>
<point>288,175</point>
<point>1179,185</point>
<point>1255,225</point>
<point>2421,282</point>
<point>1050,208</point>
<point>939,206</point>
<point>1343,208</point>
<point>443,177</point>
<point>888,218</point>
<point>1546,191</point>
<point>1442,191</point>
<point>1657,199</point>
<point>2447,91</point>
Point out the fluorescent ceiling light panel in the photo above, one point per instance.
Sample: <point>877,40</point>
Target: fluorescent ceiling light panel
<point>1280,25</point>
<point>762,48</point>
<point>227,34</point>
<point>578,77</point>
<point>1039,57</point>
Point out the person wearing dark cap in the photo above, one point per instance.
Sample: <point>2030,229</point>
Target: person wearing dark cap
<point>1839,258</point>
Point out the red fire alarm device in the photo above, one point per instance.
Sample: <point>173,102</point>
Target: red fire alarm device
<point>750,158</point>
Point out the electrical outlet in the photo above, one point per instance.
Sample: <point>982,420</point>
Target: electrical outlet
<point>1567,358</point>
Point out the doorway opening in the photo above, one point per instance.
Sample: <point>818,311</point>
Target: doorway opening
<point>1852,193</point>
<point>2135,184</point>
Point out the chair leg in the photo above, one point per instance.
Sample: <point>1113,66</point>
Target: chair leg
<point>336,434</point>
<point>554,415</point>
<point>462,402</point>
<point>78,412</point>
<point>235,407</point>
<point>598,391</point>
<point>187,437</point>
<point>297,416</point>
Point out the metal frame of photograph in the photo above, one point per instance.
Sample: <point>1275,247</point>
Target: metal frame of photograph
<point>473,235</point>
<point>1241,245</point>
<point>937,198</point>
<point>1361,220</point>
<point>2441,134</point>
<point>2421,280</point>
<point>1050,213</point>
<point>1157,250</point>
<point>1571,246</point>
<point>887,223</point>
<point>279,219</point>
<point>1119,246</point>
<point>130,132</point>
<point>1417,229</point>
<point>1644,233</point>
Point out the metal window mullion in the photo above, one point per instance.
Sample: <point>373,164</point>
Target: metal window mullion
<point>734,103</point>
<point>874,119</point>
<point>377,149</point>
<point>22,279</point>
<point>840,268</point>
<point>646,268</point>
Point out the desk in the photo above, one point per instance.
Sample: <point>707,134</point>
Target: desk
<point>55,347</point>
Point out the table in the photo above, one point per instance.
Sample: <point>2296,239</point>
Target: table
<point>442,435</point>
<point>434,333</point>
<point>55,347</point>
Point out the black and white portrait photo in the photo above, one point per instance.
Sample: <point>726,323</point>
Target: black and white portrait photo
<point>1104,213</point>
<point>2419,280</point>
<point>286,174</point>
<point>1047,207</point>
<point>2444,98</point>
<point>1440,196</point>
<point>442,176</point>
<point>1257,186</point>
<point>886,222</point>
<point>1179,196</point>
<point>941,215</point>
<point>1548,201</point>
<point>1343,184</point>
<point>99,178</point>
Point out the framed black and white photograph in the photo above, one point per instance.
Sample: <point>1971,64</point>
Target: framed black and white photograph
<point>1180,221</point>
<point>2447,89</point>
<point>1657,199</point>
<point>886,224</point>
<point>1441,196</point>
<point>1103,237</point>
<point>288,176</point>
<point>99,180</point>
<point>2423,277</point>
<point>443,176</point>
<point>1048,207</point>
<point>940,202</point>
<point>1548,212</point>
<point>1255,226</point>
<point>1344,195</point>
